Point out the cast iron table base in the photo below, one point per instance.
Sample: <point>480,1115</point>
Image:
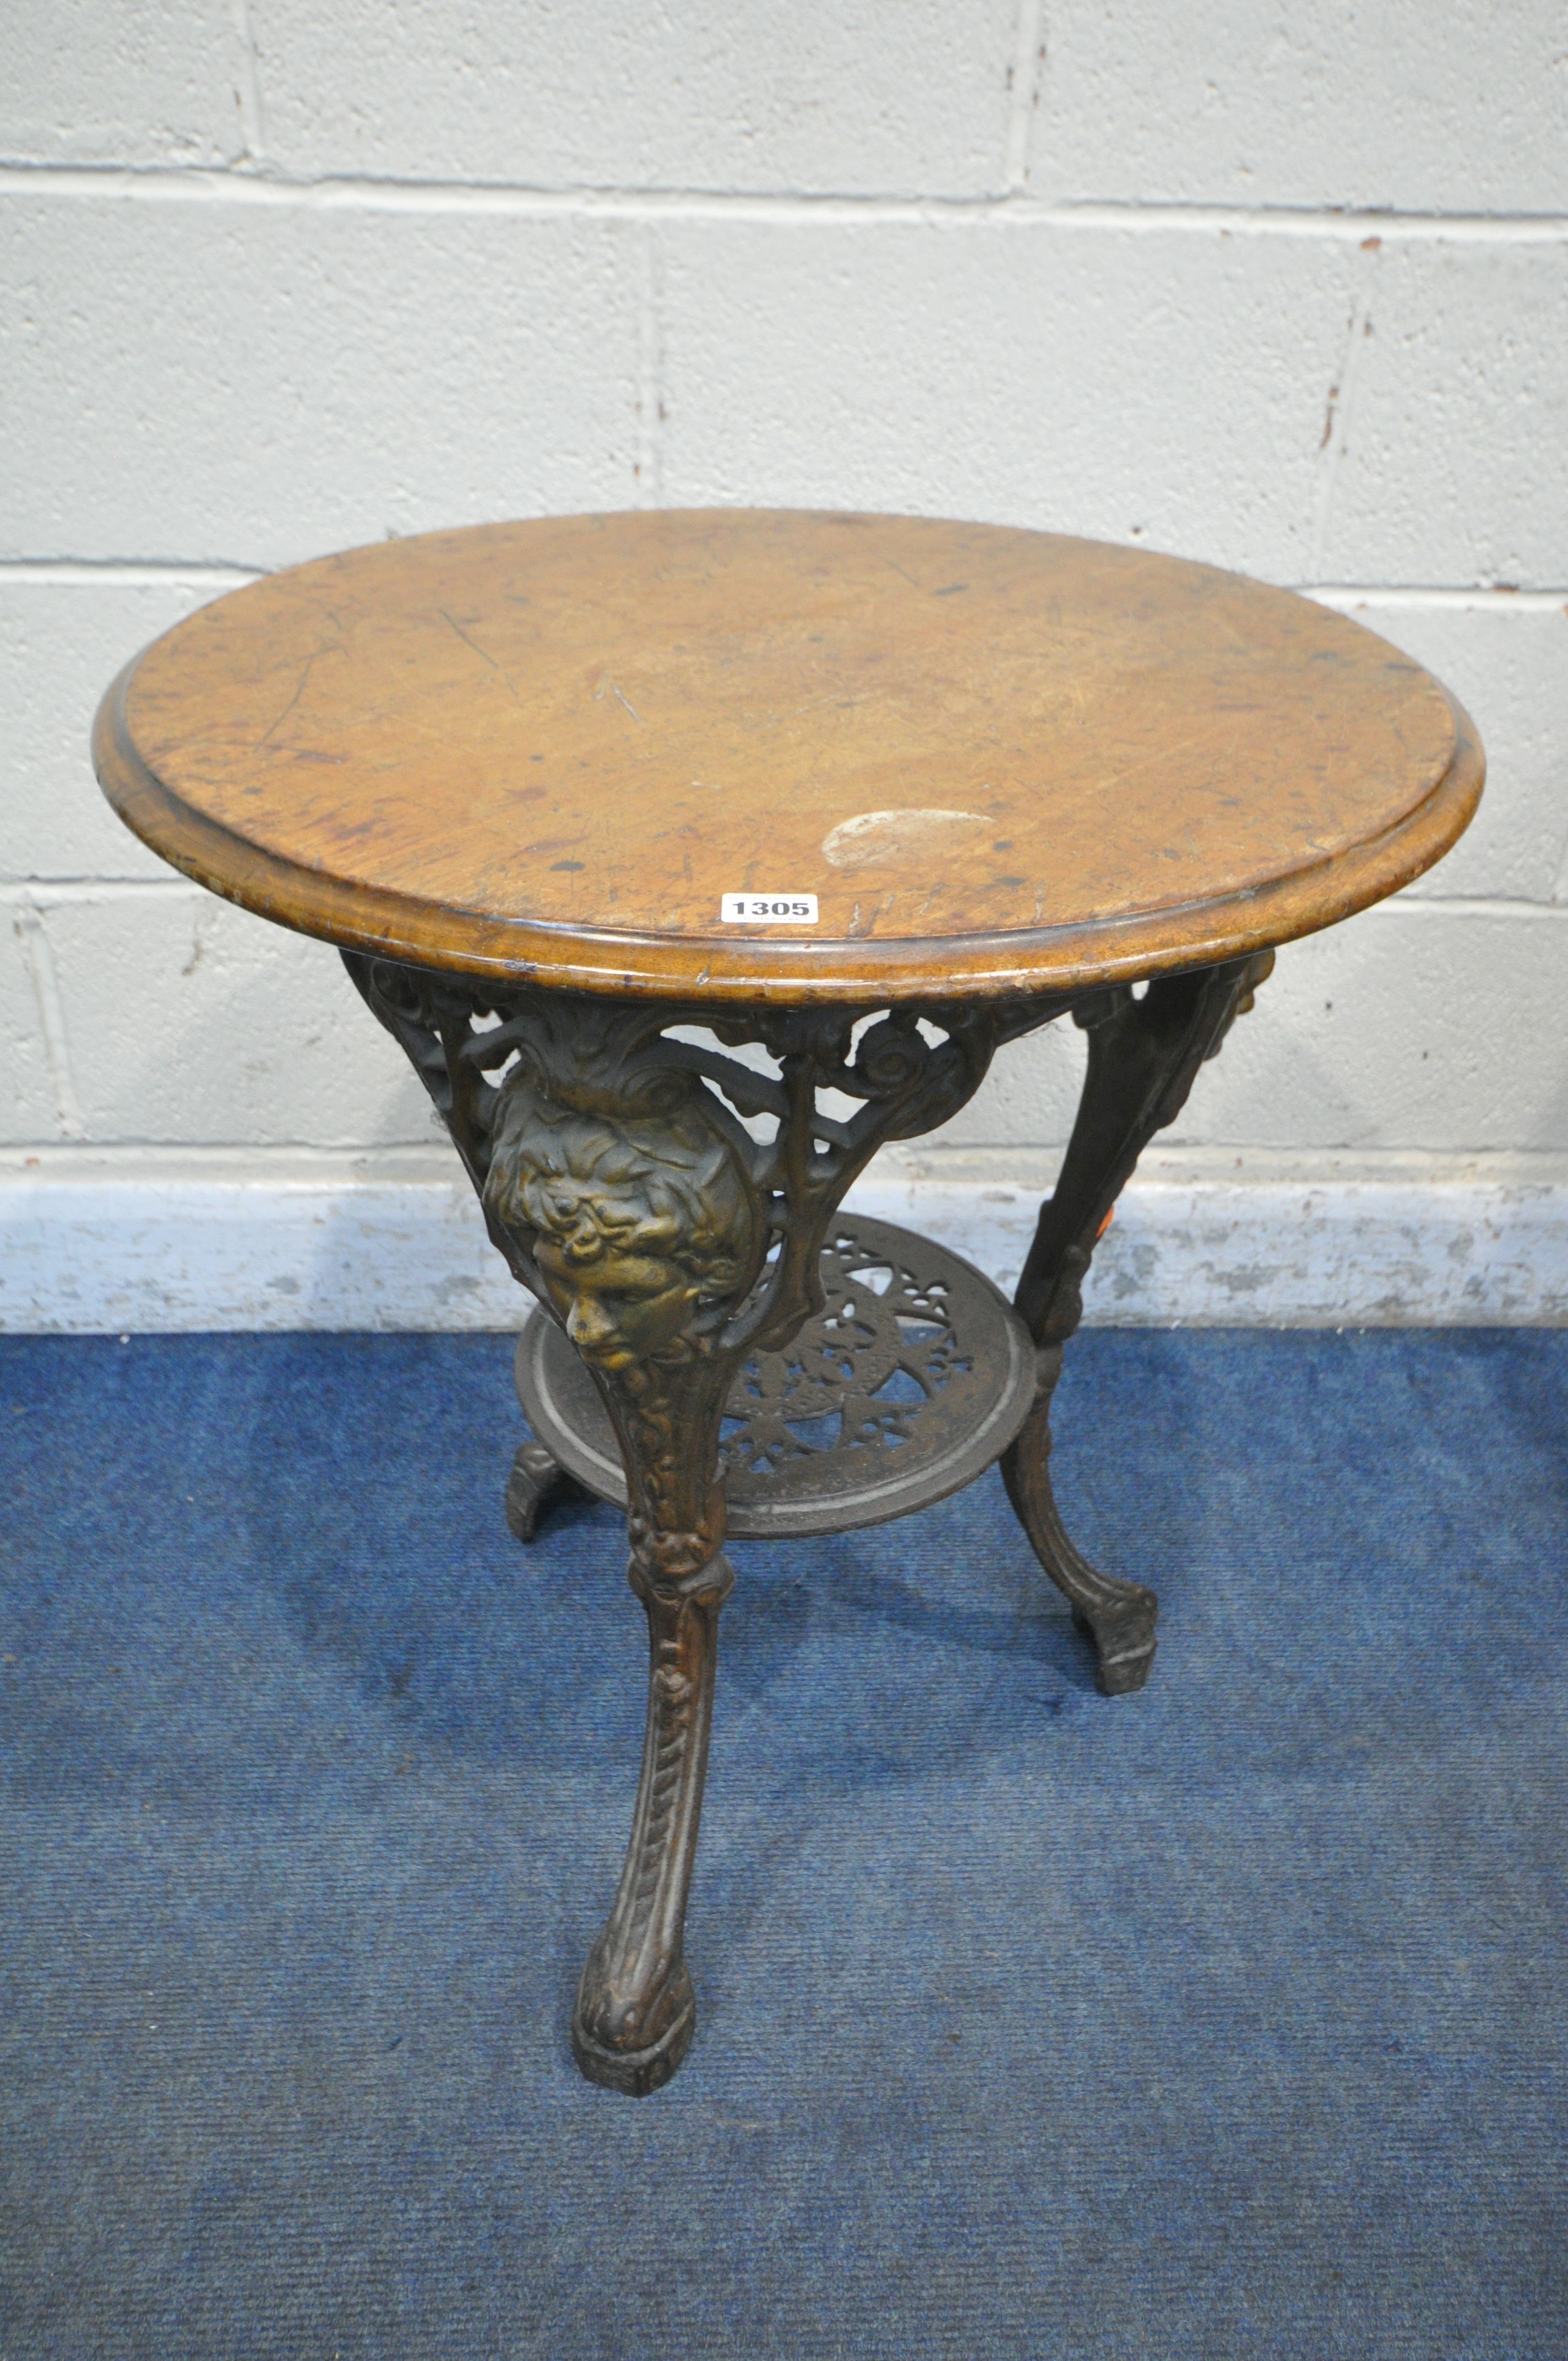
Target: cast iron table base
<point>699,1273</point>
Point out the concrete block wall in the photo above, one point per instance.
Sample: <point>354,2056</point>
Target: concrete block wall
<point>1285,288</point>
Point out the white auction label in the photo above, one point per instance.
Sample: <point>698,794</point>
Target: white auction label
<point>768,909</point>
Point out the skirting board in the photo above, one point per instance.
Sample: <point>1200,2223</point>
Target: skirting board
<point>84,1255</point>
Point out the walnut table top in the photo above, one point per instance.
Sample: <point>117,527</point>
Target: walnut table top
<point>998,760</point>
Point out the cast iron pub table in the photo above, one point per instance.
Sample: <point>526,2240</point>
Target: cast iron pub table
<point>691,856</point>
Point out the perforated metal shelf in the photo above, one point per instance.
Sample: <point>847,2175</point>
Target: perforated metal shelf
<point>915,1376</point>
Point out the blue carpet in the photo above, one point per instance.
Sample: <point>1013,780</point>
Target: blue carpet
<point>1225,2020</point>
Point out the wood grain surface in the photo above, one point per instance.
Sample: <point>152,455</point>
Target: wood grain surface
<point>1000,760</point>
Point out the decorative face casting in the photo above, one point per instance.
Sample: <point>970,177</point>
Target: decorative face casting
<point>637,1224</point>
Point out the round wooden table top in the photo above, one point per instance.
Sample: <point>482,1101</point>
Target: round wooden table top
<point>735,754</point>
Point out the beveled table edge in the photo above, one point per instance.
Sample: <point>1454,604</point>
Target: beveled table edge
<point>1074,957</point>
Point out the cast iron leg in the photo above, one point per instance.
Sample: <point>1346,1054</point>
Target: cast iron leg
<point>1118,1616</point>
<point>1143,1056</point>
<point>635,2011</point>
<point>643,1229</point>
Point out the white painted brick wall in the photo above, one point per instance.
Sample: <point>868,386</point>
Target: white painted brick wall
<point>1280,286</point>
<point>872,97</point>
<point>1442,107</point>
<point>122,81</point>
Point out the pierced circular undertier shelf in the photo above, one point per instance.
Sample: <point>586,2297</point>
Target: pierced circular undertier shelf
<point>916,1375</point>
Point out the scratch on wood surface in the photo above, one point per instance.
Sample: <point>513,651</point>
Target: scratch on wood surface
<point>483,654</point>
<point>893,567</point>
<point>606,688</point>
<point>300,687</point>
<point>1164,753</point>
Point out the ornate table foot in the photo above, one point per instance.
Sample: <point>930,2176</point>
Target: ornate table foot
<point>535,1481</point>
<point>635,2011</point>
<point>1143,1057</point>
